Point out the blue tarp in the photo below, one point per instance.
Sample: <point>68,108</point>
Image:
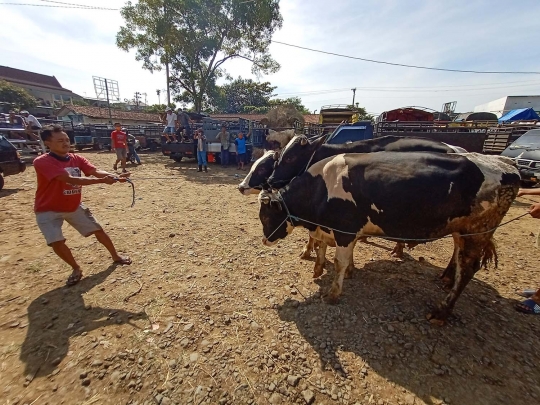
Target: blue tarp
<point>521,114</point>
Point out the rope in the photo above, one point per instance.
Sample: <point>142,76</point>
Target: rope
<point>391,238</point>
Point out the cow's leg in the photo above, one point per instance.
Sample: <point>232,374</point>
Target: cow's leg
<point>449,274</point>
<point>350,267</point>
<point>471,252</point>
<point>341,261</point>
<point>306,253</point>
<point>320,261</point>
<point>398,250</point>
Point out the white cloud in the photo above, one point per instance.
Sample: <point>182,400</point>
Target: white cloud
<point>75,44</point>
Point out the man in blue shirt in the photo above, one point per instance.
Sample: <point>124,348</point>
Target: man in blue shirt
<point>241,150</point>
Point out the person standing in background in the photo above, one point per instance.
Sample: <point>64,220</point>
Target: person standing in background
<point>131,146</point>
<point>120,146</point>
<point>225,138</point>
<point>170,125</point>
<point>201,149</point>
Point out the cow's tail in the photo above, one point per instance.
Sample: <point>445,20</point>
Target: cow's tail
<point>489,254</point>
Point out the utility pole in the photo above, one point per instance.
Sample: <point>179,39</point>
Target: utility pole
<point>353,95</point>
<point>136,99</point>
<point>108,102</point>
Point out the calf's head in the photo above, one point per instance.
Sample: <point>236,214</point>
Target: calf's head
<point>258,175</point>
<point>273,216</point>
<point>292,161</point>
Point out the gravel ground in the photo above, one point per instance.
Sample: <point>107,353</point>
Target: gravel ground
<point>207,315</point>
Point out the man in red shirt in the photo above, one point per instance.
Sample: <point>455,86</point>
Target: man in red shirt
<point>120,145</point>
<point>58,198</point>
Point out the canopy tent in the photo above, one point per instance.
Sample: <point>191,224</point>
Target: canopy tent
<point>476,116</point>
<point>521,114</point>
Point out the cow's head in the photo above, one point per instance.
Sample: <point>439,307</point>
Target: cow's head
<point>293,160</point>
<point>258,175</point>
<point>273,217</point>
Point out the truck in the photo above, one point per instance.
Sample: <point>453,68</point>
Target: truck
<point>187,148</point>
<point>525,152</point>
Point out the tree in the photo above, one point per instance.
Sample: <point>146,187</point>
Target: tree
<point>242,95</point>
<point>294,101</point>
<point>197,37</point>
<point>363,115</point>
<point>157,108</point>
<point>15,95</point>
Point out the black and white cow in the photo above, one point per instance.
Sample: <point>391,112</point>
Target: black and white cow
<point>299,153</point>
<point>416,195</point>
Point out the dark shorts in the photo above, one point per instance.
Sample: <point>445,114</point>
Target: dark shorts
<point>241,157</point>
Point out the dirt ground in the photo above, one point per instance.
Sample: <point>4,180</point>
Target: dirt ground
<point>207,315</point>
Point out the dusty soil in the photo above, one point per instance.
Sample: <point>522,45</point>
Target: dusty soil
<point>206,314</point>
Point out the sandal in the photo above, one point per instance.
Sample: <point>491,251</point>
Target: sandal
<point>74,278</point>
<point>123,261</point>
<point>529,307</point>
<point>526,293</point>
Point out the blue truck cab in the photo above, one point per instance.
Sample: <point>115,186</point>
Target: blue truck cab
<point>347,133</point>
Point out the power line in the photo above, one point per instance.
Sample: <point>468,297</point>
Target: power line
<point>64,6</point>
<point>404,65</point>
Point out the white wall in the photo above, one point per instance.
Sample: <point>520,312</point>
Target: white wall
<point>509,103</point>
<point>495,106</point>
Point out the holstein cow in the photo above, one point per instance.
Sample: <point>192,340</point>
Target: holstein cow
<point>300,153</point>
<point>417,196</point>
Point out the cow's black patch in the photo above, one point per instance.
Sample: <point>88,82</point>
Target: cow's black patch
<point>296,157</point>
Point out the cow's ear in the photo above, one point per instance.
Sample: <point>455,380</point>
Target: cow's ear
<point>276,155</point>
<point>303,141</point>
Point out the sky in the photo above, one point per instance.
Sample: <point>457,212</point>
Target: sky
<point>74,45</point>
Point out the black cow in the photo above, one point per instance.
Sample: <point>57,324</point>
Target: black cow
<point>417,195</point>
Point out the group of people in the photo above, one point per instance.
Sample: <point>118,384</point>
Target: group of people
<point>24,120</point>
<point>176,124</point>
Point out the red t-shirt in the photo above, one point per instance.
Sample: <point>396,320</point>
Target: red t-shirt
<point>119,139</point>
<point>52,194</point>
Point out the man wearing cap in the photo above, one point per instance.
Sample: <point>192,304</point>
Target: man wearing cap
<point>31,122</point>
<point>170,125</point>
<point>15,120</point>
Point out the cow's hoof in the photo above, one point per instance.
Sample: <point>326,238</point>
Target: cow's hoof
<point>317,272</point>
<point>305,255</point>
<point>363,239</point>
<point>448,283</point>
<point>349,273</point>
<point>435,319</point>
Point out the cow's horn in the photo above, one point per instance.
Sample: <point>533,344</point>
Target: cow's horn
<point>303,141</point>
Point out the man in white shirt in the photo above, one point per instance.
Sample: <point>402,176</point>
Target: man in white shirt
<point>170,125</point>
<point>31,122</point>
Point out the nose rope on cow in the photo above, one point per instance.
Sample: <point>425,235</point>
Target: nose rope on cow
<point>391,238</point>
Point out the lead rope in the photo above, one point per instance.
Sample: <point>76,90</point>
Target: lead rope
<point>132,188</point>
<point>391,238</point>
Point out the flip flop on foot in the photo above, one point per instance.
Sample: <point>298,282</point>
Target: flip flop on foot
<point>526,293</point>
<point>528,307</point>
<point>123,260</point>
<point>74,278</point>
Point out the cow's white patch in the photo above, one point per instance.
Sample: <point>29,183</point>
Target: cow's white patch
<point>450,189</point>
<point>492,167</point>
<point>333,173</point>
<point>374,208</point>
<point>371,229</point>
<point>245,182</point>
<point>456,149</point>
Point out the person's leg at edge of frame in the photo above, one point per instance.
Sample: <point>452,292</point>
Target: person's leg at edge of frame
<point>531,305</point>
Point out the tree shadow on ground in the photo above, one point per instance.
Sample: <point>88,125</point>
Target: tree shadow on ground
<point>486,354</point>
<point>58,315</point>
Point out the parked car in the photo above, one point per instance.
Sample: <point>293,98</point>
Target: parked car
<point>525,151</point>
<point>10,160</point>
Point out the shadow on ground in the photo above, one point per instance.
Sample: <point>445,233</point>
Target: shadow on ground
<point>381,319</point>
<point>60,314</point>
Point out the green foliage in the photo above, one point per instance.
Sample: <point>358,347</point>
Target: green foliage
<point>158,108</point>
<point>15,95</point>
<point>294,101</point>
<point>197,37</point>
<point>362,113</point>
<point>80,101</point>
